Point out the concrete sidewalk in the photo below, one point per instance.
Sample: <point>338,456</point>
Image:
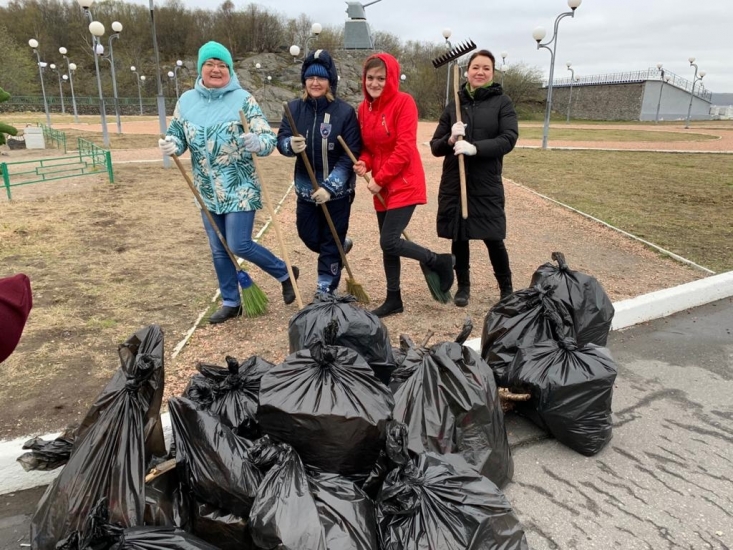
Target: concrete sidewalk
<point>666,478</point>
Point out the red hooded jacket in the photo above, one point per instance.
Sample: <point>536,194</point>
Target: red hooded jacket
<point>389,141</point>
<point>15,305</point>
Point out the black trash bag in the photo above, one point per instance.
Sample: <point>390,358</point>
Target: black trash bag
<point>231,393</point>
<point>440,502</point>
<point>223,529</point>
<point>582,295</point>
<point>48,455</point>
<point>348,515</point>
<point>358,329</point>
<point>165,503</point>
<point>447,398</point>
<point>115,443</point>
<point>572,390</point>
<point>284,515</point>
<point>99,533</point>
<point>211,461</point>
<point>327,403</point>
<point>521,319</point>
<point>393,455</point>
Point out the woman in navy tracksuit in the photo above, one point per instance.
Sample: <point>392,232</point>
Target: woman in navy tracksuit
<point>319,118</point>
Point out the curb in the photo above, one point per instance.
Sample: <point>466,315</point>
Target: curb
<point>628,313</point>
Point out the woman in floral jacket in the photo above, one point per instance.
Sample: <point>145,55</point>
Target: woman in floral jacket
<point>206,122</point>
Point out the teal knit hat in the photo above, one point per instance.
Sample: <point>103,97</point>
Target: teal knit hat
<point>214,50</point>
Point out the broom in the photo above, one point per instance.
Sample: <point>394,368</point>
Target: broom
<point>254,301</point>
<point>271,210</point>
<point>431,277</point>
<point>352,287</point>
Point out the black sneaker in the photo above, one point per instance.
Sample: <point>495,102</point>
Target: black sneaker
<point>224,313</point>
<point>348,245</point>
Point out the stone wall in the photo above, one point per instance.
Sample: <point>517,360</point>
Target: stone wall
<point>600,102</point>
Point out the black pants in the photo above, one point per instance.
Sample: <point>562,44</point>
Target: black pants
<point>391,225</point>
<point>497,254</point>
<point>313,230</point>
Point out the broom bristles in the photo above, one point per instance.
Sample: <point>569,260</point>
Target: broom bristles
<point>254,301</point>
<point>357,291</point>
<point>433,281</point>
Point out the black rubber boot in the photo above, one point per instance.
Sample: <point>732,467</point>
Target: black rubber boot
<point>288,290</point>
<point>393,304</point>
<point>464,288</point>
<point>505,284</point>
<point>224,313</point>
<point>443,266</point>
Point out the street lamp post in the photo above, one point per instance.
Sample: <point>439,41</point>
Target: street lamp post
<point>570,97</point>
<point>316,29</point>
<point>446,35</point>
<point>695,80</point>
<point>53,67</point>
<point>503,63</point>
<point>117,28</point>
<point>33,43</point>
<point>551,46</point>
<point>139,88</point>
<point>171,76</point>
<point>71,68</point>
<point>295,52</point>
<point>661,87</point>
<point>179,64</point>
<point>97,30</point>
<point>161,99</point>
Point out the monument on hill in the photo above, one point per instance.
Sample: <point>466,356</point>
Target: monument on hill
<point>357,34</point>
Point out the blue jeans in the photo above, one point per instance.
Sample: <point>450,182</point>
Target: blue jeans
<point>236,227</point>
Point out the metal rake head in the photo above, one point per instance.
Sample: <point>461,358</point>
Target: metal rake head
<point>457,51</point>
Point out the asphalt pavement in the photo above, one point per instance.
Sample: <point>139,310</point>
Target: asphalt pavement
<point>664,481</point>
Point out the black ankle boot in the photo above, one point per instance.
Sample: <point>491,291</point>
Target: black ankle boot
<point>288,290</point>
<point>505,284</point>
<point>393,304</point>
<point>224,313</point>
<point>464,288</point>
<point>443,266</point>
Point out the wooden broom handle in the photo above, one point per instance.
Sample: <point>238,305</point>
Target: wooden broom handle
<point>316,187</point>
<point>461,160</point>
<point>271,210</point>
<point>200,200</point>
<point>366,176</point>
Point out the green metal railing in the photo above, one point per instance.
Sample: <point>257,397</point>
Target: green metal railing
<point>90,159</point>
<point>57,137</point>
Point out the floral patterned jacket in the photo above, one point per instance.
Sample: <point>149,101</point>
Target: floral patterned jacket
<point>206,121</point>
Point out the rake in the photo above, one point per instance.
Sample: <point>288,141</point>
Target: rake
<point>271,210</point>
<point>254,301</point>
<point>459,51</point>
<point>352,287</point>
<point>431,277</point>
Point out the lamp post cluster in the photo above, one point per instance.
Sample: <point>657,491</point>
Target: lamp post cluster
<point>316,29</point>
<point>265,80</point>
<point>140,82</point>
<point>695,80</point>
<point>179,64</point>
<point>551,45</point>
<point>665,78</point>
<point>70,67</point>
<point>53,67</point>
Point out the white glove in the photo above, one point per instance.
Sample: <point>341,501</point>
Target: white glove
<point>251,142</point>
<point>464,148</point>
<point>458,129</point>
<point>297,144</point>
<point>321,196</point>
<point>167,146</point>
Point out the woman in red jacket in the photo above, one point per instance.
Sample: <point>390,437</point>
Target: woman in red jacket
<point>388,121</point>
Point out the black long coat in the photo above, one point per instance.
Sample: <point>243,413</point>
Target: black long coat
<point>492,128</point>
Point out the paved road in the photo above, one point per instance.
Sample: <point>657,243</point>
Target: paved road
<point>665,480</point>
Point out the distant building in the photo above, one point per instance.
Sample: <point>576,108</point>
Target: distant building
<point>631,96</point>
<point>722,107</point>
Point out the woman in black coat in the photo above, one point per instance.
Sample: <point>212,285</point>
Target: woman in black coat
<point>489,128</point>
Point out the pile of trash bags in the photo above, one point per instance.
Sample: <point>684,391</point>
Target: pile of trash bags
<point>315,452</point>
<point>548,340</point>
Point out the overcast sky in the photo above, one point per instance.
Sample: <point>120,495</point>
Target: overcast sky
<point>606,36</point>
